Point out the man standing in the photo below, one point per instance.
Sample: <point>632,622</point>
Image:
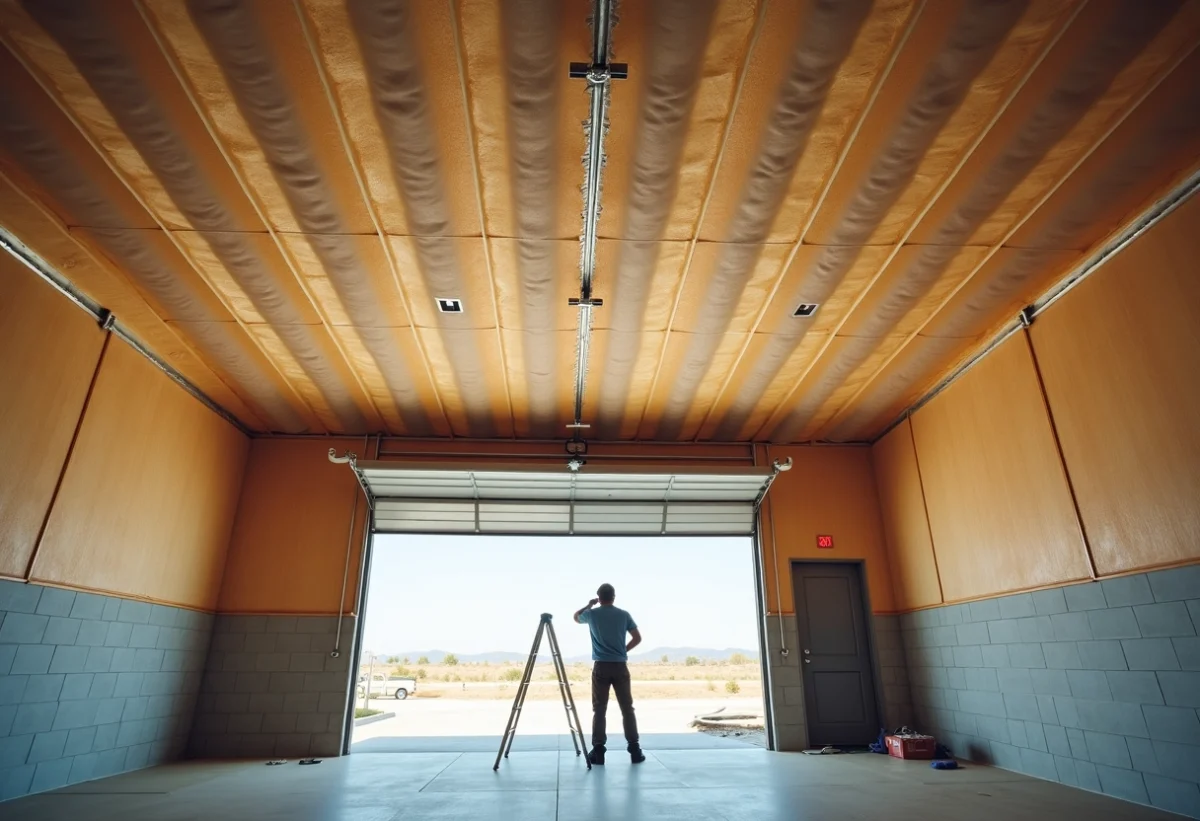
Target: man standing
<point>608,625</point>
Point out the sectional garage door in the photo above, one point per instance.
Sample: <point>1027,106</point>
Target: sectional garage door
<point>428,498</point>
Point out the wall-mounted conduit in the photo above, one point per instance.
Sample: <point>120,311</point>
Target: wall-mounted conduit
<point>1153,215</point>
<point>107,320</point>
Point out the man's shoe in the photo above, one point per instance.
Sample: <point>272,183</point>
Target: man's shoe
<point>636,755</point>
<point>596,756</point>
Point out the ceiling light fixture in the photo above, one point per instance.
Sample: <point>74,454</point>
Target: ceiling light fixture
<point>806,309</point>
<point>449,305</point>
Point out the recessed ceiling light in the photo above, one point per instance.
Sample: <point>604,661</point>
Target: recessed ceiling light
<point>449,305</point>
<point>806,309</point>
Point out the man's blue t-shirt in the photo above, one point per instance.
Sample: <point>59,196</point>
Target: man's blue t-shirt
<point>608,625</point>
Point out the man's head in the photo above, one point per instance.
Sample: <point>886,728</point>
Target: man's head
<point>606,594</point>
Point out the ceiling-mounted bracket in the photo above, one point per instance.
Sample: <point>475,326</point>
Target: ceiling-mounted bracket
<point>1025,317</point>
<point>351,459</point>
<point>597,75</point>
<point>585,302</point>
<point>577,447</point>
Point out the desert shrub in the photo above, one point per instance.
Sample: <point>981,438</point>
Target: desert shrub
<point>738,658</point>
<point>710,686</point>
<point>511,674</point>
<point>450,660</point>
<point>732,687</point>
<point>691,661</point>
<point>423,660</point>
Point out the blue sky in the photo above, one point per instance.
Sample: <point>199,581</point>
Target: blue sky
<point>474,594</point>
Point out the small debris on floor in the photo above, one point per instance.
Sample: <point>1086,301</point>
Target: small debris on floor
<point>277,762</point>
<point>823,751</point>
<point>748,728</point>
<point>310,761</point>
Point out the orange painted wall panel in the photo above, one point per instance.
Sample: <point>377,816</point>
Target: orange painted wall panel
<point>288,550</point>
<point>149,494</point>
<point>1120,356</point>
<point>50,349</point>
<point>999,507</point>
<point>830,491</point>
<point>905,523</point>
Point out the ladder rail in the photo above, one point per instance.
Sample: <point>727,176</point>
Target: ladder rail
<point>578,740</point>
<point>561,670</point>
<point>514,716</point>
<point>568,698</point>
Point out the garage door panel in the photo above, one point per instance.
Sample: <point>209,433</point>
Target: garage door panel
<point>430,498</point>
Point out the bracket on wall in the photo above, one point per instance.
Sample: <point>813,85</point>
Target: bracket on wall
<point>351,459</point>
<point>778,467</point>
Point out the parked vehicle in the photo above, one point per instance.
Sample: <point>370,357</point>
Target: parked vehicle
<point>382,686</point>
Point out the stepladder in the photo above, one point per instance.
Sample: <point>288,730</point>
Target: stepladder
<point>545,630</point>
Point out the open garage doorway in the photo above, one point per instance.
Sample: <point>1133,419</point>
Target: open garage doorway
<point>449,620</point>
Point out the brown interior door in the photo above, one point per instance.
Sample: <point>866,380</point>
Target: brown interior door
<point>835,657</point>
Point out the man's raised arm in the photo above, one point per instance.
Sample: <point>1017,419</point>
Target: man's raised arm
<point>587,606</point>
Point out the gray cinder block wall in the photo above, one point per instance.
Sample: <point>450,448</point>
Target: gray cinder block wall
<point>787,685</point>
<point>92,685</point>
<point>271,688</point>
<point>1094,685</point>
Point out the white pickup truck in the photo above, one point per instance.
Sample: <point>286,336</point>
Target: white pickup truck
<point>382,686</point>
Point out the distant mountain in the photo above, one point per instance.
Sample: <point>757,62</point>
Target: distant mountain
<point>436,656</point>
<point>494,657</point>
<point>680,654</point>
<point>676,655</point>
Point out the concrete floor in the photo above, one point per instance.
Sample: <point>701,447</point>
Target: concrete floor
<point>698,785</point>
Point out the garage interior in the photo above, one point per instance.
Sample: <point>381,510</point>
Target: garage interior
<point>938,257</point>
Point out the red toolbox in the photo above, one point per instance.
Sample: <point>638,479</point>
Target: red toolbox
<point>917,746</point>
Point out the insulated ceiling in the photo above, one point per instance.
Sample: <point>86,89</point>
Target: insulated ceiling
<point>273,196</point>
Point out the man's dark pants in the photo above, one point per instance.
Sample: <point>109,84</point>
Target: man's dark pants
<point>616,675</point>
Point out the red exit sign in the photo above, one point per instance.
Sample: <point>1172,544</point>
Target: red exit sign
<point>825,542</point>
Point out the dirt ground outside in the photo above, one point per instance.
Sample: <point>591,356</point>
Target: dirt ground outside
<point>474,699</point>
<point>652,680</point>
